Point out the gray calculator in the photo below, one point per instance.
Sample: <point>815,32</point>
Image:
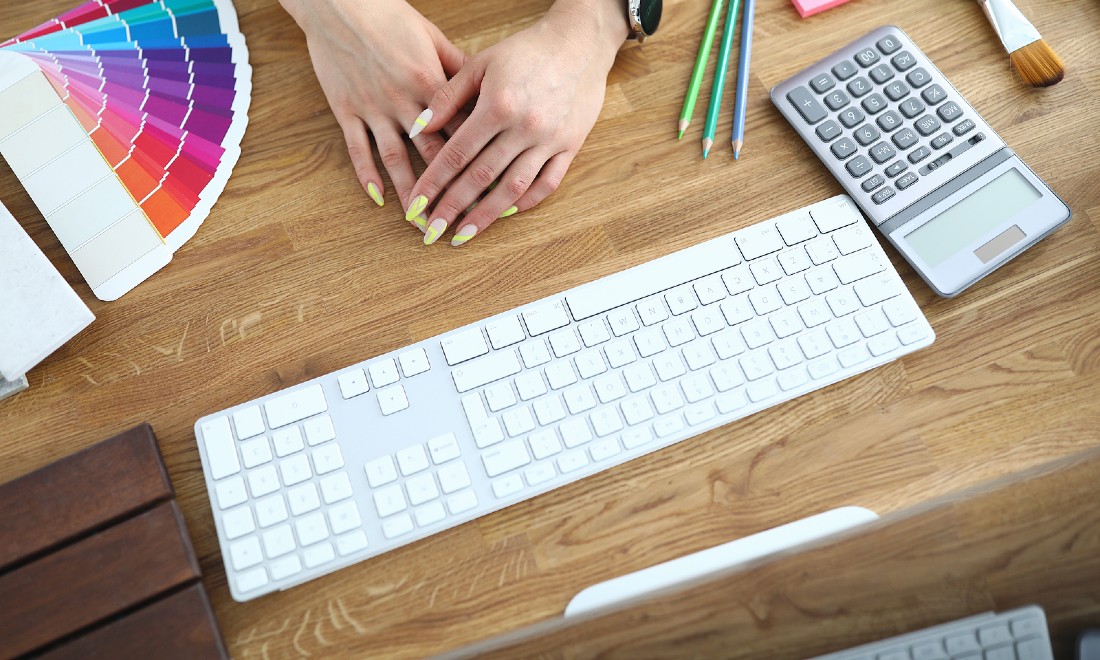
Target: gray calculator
<point>930,173</point>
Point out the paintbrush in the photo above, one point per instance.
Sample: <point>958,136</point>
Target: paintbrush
<point>1034,59</point>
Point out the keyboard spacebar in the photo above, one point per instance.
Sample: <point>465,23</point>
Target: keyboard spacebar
<point>651,277</point>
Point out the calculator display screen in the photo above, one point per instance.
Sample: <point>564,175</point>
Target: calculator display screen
<point>1000,199</point>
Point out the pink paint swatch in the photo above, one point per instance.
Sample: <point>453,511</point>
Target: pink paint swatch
<point>810,7</point>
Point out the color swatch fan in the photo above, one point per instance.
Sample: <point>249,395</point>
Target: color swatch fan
<point>123,120</point>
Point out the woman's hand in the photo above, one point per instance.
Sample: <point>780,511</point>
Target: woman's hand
<point>379,64</point>
<point>538,95</point>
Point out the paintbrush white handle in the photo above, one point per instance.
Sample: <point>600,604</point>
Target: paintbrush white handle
<point>1014,30</point>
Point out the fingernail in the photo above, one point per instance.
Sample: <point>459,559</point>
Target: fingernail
<point>416,208</point>
<point>372,190</point>
<point>509,212</point>
<point>421,122</point>
<point>465,233</point>
<point>421,222</point>
<point>434,230</point>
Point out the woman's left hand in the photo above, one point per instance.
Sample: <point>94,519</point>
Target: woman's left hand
<point>538,93</point>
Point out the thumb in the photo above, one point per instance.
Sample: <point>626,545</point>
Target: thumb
<point>450,98</point>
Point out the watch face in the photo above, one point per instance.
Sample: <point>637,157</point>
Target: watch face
<point>649,12</point>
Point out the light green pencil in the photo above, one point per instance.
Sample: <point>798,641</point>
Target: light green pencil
<point>720,77</point>
<point>700,66</point>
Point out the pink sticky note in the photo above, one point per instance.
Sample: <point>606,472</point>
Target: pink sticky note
<point>811,7</point>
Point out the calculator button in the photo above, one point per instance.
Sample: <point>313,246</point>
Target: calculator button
<point>881,73</point>
<point>844,70</point>
<point>828,130</point>
<point>905,138</point>
<point>928,125</point>
<point>883,195</point>
<point>851,117</point>
<point>889,120</point>
<point>896,90</point>
<point>949,112</point>
<point>836,100</point>
<point>866,134</point>
<point>918,78</point>
<point>911,107</point>
<point>822,83</point>
<point>866,57</point>
<point>806,105</point>
<point>919,154</point>
<point>906,180</point>
<point>882,152</point>
<point>843,148</point>
<point>888,44</point>
<point>858,166</point>
<point>933,95</point>
<point>941,140</point>
<point>874,103</point>
<point>963,127</point>
<point>859,86</point>
<point>897,167</point>
<point>903,61</point>
<point>872,183</point>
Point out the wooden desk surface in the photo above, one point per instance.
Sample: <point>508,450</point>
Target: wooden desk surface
<point>297,274</point>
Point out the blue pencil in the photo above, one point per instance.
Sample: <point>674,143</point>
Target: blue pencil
<point>742,79</point>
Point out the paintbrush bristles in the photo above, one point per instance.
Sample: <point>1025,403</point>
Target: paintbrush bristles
<point>1038,64</point>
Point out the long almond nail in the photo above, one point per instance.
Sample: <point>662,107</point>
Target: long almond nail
<point>434,230</point>
<point>372,190</point>
<point>421,122</point>
<point>511,210</point>
<point>416,208</point>
<point>421,222</point>
<point>464,234</point>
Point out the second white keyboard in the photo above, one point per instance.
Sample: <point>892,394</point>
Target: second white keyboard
<point>358,462</point>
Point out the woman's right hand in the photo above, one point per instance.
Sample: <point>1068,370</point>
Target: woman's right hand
<point>379,64</point>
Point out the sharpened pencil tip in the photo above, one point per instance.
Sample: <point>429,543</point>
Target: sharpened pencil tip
<point>705,154</point>
<point>681,137</point>
<point>737,149</point>
<point>737,155</point>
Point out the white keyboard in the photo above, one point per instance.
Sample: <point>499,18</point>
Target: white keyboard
<point>370,458</point>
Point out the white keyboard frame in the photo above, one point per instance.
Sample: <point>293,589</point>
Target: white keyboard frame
<point>365,434</point>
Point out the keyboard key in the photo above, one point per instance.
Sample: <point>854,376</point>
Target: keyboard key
<point>622,321</point>
<point>792,378</point>
<point>231,492</point>
<point>795,228</point>
<point>295,470</point>
<point>504,457</point>
<point>255,452</point>
<point>652,310</point>
<point>844,70</point>
<point>546,317</point>
<point>560,374</point>
<point>221,454</point>
<point>843,148</point>
<point>757,333</point>
<point>604,449</point>
<point>486,370</point>
<point>668,366</point>
<point>335,487</point>
<point>461,502</point>
<point>344,517</point>
<point>876,289</point>
<point>287,441</point>
<point>906,181</point>
<point>881,73</point>
<point>872,183</point>
<point>264,481</point>
<point>443,448</point>
<point>534,353</point>
<point>572,461</point>
<point>351,543</point>
<point>303,499</point>
<point>760,390</point>
<point>822,83</point>
<point>933,94</point>
<point>882,152</point>
<point>822,279</point>
<point>874,103</point>
<point>578,399</point>
<point>828,130</point>
<point>507,486</point>
<point>912,334</point>
<point>853,356</point>
<point>765,270</point>
<point>544,444</point>
<point>667,426</point>
<point>251,580</point>
<point>730,402</point>
<point>871,322</point>
<point>824,367</point>
<point>412,459</point>
<point>549,410</point>
<point>594,332</point>
<point>575,432</point>
<point>882,344</point>
<point>903,61</point>
<point>866,57</point>
<point>918,78</point>
<point>814,344</point>
<point>278,542</point>
<point>380,471</point>
<point>311,529</point>
<point>271,510</point>
<point>530,385</point>
<point>295,406</point>
<point>392,399</point>
<point>681,300</point>
<point>319,429</point>
<point>238,522</point>
<point>248,422</point>
<point>941,140</point>
<point>464,346</point>
<point>635,410</point>
<point>430,514</point>
<point>505,331</point>
<point>963,127</point>
<point>415,362</point>
<point>666,399</point>
<point>756,365</point>
<point>896,90</point>
<point>851,117</point>
<point>562,343</point>
<point>852,239</point>
<point>609,388</point>
<point>708,320</point>
<point>900,312</point>
<point>889,120</point>
<point>758,240</point>
<point>500,396</point>
<point>606,421</point>
<point>286,567</point>
<point>398,525</point>
<point>639,377</point>
<point>699,413</point>
<point>383,372</point>
<point>726,376</point>
<point>327,459</point>
<point>353,383</point>
<point>858,166</point>
<point>737,309</point>
<point>842,301</point>
<point>453,477</point>
<point>837,100</point>
<point>866,134</point>
<point>883,195</point>
<point>806,105</point>
<point>919,154</point>
<point>649,342</point>
<point>634,438</point>
<point>389,500</point>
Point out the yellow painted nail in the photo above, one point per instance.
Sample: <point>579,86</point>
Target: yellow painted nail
<point>434,231</point>
<point>421,222</point>
<point>464,234</point>
<point>509,212</point>
<point>372,190</point>
<point>416,208</point>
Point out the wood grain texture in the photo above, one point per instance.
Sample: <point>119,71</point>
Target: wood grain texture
<point>1024,539</point>
<point>296,274</point>
<point>79,494</point>
<point>95,578</point>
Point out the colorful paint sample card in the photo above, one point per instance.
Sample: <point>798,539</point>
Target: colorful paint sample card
<point>123,120</point>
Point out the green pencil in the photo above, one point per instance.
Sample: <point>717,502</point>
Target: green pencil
<point>720,77</point>
<point>700,66</point>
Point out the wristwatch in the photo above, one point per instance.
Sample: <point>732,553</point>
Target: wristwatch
<point>644,17</point>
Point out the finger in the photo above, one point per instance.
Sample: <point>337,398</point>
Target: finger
<point>450,56</point>
<point>547,181</point>
<point>502,201</point>
<point>428,145</point>
<point>449,98</point>
<point>362,160</point>
<point>454,160</point>
<point>474,180</point>
<point>456,123</point>
<point>395,158</point>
